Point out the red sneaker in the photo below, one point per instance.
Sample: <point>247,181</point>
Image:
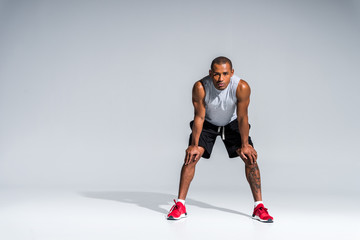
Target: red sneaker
<point>261,214</point>
<point>177,211</point>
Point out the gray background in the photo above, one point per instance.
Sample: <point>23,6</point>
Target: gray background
<point>97,94</point>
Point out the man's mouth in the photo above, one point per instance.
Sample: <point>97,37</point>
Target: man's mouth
<point>220,84</point>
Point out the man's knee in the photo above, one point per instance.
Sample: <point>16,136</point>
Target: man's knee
<point>191,164</point>
<point>197,158</point>
<point>249,164</point>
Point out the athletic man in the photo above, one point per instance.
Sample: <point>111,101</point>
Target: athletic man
<point>221,102</point>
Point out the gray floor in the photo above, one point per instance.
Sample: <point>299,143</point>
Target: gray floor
<point>215,214</point>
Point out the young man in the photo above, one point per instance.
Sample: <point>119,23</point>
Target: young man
<point>221,102</point>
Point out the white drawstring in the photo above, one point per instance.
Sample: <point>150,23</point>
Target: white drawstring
<point>223,132</point>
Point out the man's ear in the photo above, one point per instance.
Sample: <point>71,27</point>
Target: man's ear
<point>210,72</point>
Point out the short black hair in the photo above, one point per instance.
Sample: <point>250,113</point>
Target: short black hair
<point>220,60</point>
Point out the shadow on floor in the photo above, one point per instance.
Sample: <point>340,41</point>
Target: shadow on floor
<point>151,200</point>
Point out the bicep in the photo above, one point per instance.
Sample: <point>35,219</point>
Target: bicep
<point>243,99</point>
<point>198,99</point>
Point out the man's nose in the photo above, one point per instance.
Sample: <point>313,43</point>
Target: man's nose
<point>221,77</point>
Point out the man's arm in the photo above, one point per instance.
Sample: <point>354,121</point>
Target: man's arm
<point>198,99</point>
<point>246,151</point>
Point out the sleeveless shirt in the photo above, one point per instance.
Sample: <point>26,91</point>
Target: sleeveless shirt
<point>220,105</point>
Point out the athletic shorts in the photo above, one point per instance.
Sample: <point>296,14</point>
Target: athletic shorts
<point>229,134</point>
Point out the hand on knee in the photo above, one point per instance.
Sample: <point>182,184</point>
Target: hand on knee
<point>249,164</point>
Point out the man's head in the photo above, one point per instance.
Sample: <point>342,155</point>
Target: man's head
<point>221,71</point>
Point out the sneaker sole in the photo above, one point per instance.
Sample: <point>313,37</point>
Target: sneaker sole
<point>264,221</point>
<point>181,216</point>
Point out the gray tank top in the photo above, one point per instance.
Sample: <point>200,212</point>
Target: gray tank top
<point>220,105</point>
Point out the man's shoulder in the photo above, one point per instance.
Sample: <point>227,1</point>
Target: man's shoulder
<point>198,92</point>
<point>243,89</point>
<point>198,86</point>
<point>243,84</point>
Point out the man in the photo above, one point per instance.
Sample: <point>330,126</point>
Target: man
<point>221,102</point>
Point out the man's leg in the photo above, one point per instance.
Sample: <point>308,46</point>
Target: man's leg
<point>253,177</point>
<point>252,171</point>
<point>187,175</point>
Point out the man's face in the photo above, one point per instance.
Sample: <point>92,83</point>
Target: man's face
<point>221,75</point>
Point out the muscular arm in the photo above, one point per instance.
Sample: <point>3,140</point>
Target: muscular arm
<point>198,99</point>
<point>243,99</point>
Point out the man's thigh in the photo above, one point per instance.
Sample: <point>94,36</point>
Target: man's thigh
<point>206,140</point>
<point>233,140</point>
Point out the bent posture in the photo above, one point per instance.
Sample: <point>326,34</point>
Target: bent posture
<point>221,102</point>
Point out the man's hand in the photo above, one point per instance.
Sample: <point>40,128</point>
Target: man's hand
<point>192,154</point>
<point>247,153</point>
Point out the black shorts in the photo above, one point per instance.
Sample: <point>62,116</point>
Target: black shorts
<point>230,135</point>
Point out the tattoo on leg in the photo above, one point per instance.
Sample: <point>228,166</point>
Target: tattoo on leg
<point>254,178</point>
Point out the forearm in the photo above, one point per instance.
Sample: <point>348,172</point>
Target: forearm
<point>244,130</point>
<point>196,130</point>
